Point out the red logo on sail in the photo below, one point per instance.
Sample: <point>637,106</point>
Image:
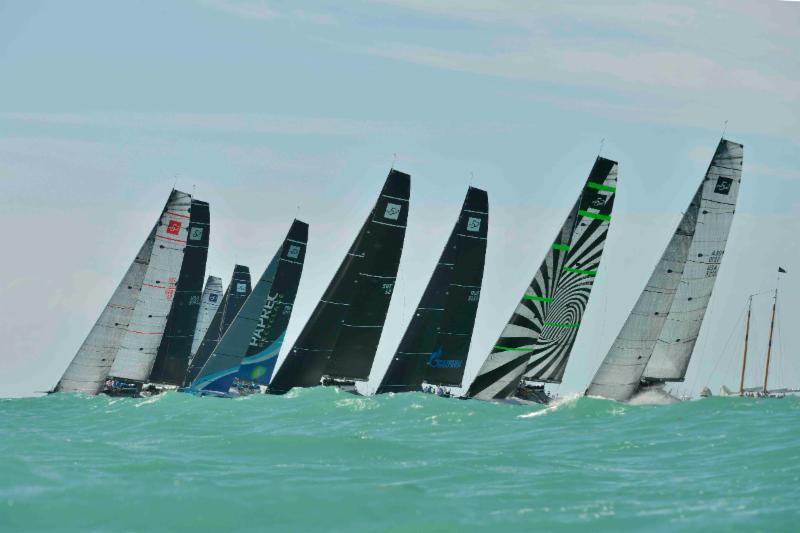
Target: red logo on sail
<point>174,227</point>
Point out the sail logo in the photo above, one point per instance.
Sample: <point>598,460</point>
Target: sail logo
<point>213,297</point>
<point>598,202</point>
<point>392,211</point>
<point>174,227</point>
<point>723,185</point>
<point>195,234</point>
<point>264,320</point>
<point>387,288</point>
<point>194,300</point>
<point>474,295</point>
<point>241,287</point>
<point>435,362</point>
<point>474,224</point>
<point>294,252</point>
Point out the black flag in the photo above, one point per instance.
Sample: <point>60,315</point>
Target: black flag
<point>781,270</point>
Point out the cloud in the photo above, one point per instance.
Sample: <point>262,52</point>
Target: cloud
<point>253,9</point>
<point>706,63</point>
<point>217,122</point>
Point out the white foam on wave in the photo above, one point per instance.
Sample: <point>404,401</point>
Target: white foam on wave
<point>564,401</point>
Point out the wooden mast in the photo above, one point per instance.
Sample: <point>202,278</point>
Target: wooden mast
<point>746,339</point>
<point>769,347</point>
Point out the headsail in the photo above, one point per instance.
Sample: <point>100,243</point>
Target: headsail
<point>341,337</point>
<point>538,338</point>
<point>209,303</point>
<point>235,295</point>
<point>658,337</point>
<point>88,370</point>
<point>267,339</point>
<point>172,359</point>
<point>435,345</point>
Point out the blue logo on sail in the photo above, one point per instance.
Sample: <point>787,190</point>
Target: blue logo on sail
<point>435,362</point>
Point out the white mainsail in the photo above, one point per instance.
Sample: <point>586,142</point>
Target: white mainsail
<point>89,368</point>
<point>658,338</point>
<point>209,303</point>
<point>139,345</point>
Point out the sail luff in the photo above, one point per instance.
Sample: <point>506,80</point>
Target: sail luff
<point>172,358</point>
<point>139,344</point>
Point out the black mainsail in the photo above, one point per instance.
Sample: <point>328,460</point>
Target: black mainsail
<point>536,343</point>
<point>172,360</point>
<point>235,295</point>
<point>657,340</point>
<point>435,345</point>
<point>341,336</point>
<point>277,285</point>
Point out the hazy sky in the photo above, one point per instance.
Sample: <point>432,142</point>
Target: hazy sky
<point>267,109</point>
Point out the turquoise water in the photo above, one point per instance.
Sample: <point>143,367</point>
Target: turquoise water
<point>328,460</point>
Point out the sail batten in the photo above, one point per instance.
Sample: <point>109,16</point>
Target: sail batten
<point>658,338</point>
<point>537,341</point>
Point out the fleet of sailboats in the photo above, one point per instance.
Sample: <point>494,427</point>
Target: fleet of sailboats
<point>164,329</point>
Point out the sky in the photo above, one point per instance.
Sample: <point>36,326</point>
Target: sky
<point>275,109</point>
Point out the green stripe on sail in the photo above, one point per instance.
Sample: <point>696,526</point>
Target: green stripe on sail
<point>579,271</point>
<point>598,216</point>
<point>560,325</point>
<point>557,246</point>
<point>537,298</point>
<point>507,349</point>
<point>600,186</point>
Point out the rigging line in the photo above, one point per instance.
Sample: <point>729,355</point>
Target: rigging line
<point>394,160</point>
<point>724,128</point>
<point>724,349</point>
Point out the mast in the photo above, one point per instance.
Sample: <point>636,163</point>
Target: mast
<point>746,339</point>
<point>769,346</point>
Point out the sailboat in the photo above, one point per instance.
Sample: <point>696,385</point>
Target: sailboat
<point>656,342</point>
<point>762,391</point>
<point>256,334</point>
<point>209,303</point>
<point>139,305</point>
<point>435,345</point>
<point>172,358</point>
<point>338,343</point>
<point>235,295</point>
<point>535,345</point>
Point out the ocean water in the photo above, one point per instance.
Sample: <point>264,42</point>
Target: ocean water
<point>326,460</point>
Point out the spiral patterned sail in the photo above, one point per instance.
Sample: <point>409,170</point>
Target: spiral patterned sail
<point>537,341</point>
